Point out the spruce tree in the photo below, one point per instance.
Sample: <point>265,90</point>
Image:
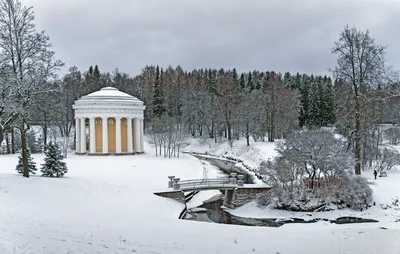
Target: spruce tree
<point>314,114</point>
<point>96,76</point>
<point>287,80</point>
<point>330,102</point>
<point>31,164</point>
<point>305,101</point>
<point>53,165</point>
<point>250,82</point>
<point>242,82</point>
<point>158,96</point>
<point>257,80</point>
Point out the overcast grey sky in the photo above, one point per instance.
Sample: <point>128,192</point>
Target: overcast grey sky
<point>275,35</point>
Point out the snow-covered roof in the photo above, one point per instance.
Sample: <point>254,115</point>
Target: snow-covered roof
<point>110,101</point>
<point>110,92</point>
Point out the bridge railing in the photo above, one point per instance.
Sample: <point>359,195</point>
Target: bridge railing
<point>227,182</point>
<point>206,183</point>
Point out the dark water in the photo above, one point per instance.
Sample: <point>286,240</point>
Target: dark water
<point>212,212</point>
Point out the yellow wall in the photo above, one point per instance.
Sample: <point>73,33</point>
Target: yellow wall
<point>99,135</point>
<point>124,135</point>
<point>111,135</point>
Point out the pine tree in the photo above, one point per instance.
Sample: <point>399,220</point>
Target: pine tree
<point>330,102</point>
<point>287,80</point>
<point>250,83</point>
<point>304,116</point>
<point>242,82</point>
<point>158,96</point>
<point>314,113</point>
<point>96,76</point>
<point>53,165</point>
<point>31,164</point>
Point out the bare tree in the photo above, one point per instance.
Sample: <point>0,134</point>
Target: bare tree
<point>27,63</point>
<point>360,64</point>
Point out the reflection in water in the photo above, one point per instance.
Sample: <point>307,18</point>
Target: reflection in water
<point>212,212</point>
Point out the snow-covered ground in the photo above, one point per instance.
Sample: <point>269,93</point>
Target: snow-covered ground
<point>252,155</point>
<point>386,189</point>
<point>107,205</point>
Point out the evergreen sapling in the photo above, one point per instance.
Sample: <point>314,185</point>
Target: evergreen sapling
<point>31,164</point>
<point>53,165</point>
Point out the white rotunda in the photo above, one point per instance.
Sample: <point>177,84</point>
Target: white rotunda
<point>115,121</point>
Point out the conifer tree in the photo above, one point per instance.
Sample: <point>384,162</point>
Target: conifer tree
<point>314,114</point>
<point>53,165</point>
<point>96,76</point>
<point>250,82</point>
<point>297,81</point>
<point>158,96</point>
<point>329,100</point>
<point>287,80</point>
<point>242,82</point>
<point>31,164</point>
<point>304,100</point>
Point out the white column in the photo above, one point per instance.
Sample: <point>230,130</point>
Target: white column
<point>141,136</point>
<point>92,127</point>
<point>83,135</point>
<point>105,134</point>
<point>78,135</point>
<point>129,126</point>
<point>118,134</point>
<point>137,135</point>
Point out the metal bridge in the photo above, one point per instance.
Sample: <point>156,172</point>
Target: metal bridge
<point>207,184</point>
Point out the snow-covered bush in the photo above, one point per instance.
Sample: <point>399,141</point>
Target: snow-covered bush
<point>313,172</point>
<point>351,192</point>
<point>355,193</point>
<point>309,155</point>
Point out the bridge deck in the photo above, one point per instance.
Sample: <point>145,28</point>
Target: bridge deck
<point>207,184</point>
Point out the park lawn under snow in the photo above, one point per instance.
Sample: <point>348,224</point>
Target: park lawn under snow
<point>107,205</point>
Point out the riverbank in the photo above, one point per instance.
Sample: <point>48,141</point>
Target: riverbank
<point>251,156</point>
<point>386,209</point>
<point>386,190</point>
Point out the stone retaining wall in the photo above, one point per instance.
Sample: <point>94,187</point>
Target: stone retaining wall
<point>176,195</point>
<point>243,196</point>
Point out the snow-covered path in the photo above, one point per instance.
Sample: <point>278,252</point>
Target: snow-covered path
<point>106,205</point>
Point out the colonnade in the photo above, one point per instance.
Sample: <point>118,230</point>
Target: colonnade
<point>110,135</point>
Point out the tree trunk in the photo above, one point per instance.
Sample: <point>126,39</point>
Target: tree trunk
<point>1,135</point>
<point>24,152</point>
<point>8,143</point>
<point>247,134</point>
<point>12,140</point>
<point>74,139</point>
<point>45,137</point>
<point>212,130</point>
<point>357,132</point>
<point>66,139</point>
